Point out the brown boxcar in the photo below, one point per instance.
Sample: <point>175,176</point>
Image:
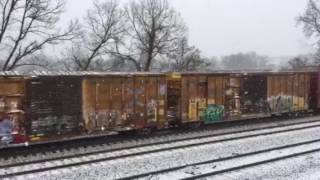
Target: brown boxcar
<point>119,101</point>
<point>200,90</point>
<point>54,107</point>
<point>211,97</point>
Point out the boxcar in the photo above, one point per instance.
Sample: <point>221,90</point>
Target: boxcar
<point>213,97</point>
<point>43,107</point>
<point>122,101</point>
<point>217,96</point>
<point>54,107</point>
<point>39,108</point>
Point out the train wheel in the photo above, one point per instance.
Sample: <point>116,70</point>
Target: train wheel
<point>197,125</point>
<point>145,131</point>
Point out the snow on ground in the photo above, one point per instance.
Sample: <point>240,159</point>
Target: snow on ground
<point>163,160</point>
<point>237,162</point>
<point>302,167</point>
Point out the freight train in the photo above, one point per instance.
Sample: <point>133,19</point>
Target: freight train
<point>47,107</point>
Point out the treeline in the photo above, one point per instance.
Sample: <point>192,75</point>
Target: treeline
<point>141,35</point>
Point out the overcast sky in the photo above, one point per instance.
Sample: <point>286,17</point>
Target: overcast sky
<point>221,27</point>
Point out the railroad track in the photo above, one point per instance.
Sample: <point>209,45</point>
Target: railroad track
<point>91,148</point>
<point>100,140</point>
<point>234,163</point>
<point>44,165</point>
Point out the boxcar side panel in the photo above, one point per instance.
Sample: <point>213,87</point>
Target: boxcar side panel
<point>124,102</point>
<point>194,97</point>
<point>161,102</point>
<point>55,107</point>
<point>140,102</point>
<point>184,99</point>
<point>12,110</point>
<point>116,101</point>
<point>216,99</point>
<point>89,103</point>
<point>318,89</point>
<point>253,95</point>
<point>287,93</point>
<point>233,97</point>
<point>102,104</point>
<point>313,89</point>
<point>296,92</point>
<point>307,91</point>
<point>128,101</point>
<point>289,85</point>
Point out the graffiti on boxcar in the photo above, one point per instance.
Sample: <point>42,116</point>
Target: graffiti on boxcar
<point>138,92</point>
<point>152,110</point>
<point>2,104</point>
<point>196,108</point>
<point>54,125</point>
<point>213,113</point>
<point>107,119</point>
<point>162,89</point>
<point>254,106</point>
<point>287,103</point>
<point>6,127</point>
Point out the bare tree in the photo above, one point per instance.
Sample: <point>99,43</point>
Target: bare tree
<point>185,57</point>
<point>26,27</point>
<point>298,62</point>
<point>311,19</point>
<point>102,25</point>
<point>243,61</point>
<point>153,27</point>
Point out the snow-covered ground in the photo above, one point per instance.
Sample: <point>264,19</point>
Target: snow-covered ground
<point>181,144</point>
<point>301,167</point>
<point>125,167</point>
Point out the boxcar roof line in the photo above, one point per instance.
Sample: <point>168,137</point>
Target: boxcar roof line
<point>73,73</point>
<point>95,73</point>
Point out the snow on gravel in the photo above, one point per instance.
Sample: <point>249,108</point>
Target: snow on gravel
<point>302,167</point>
<point>237,162</point>
<point>163,160</point>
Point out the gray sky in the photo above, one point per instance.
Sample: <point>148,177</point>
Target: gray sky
<point>221,27</point>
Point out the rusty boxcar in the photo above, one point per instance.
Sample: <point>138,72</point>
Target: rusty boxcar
<point>44,107</point>
<point>124,101</point>
<point>212,97</point>
<point>54,106</point>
